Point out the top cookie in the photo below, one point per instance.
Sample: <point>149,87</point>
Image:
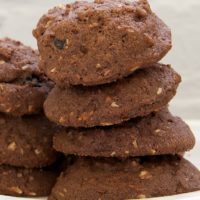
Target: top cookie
<point>23,87</point>
<point>100,42</point>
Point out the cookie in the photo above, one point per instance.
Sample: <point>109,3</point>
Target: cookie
<point>101,41</point>
<point>16,60</point>
<point>159,133</point>
<point>23,87</point>
<point>26,182</point>
<point>27,142</point>
<point>129,179</point>
<point>147,90</point>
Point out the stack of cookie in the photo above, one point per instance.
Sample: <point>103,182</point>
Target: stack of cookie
<point>111,96</point>
<point>25,134</point>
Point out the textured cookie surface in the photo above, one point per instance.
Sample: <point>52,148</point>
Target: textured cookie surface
<point>132,178</point>
<point>158,133</point>
<point>26,142</point>
<point>23,87</point>
<point>26,182</point>
<point>147,90</point>
<point>94,43</point>
<point>16,60</point>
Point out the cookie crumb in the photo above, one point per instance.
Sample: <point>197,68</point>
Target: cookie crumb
<point>145,175</point>
<point>30,108</point>
<point>85,116</point>
<point>133,69</point>
<point>106,124</point>
<point>8,110</point>
<point>61,194</point>
<point>157,130</point>
<point>16,190</point>
<point>1,87</point>
<point>113,153</point>
<point>141,13</point>
<point>107,72</point>
<point>93,25</point>
<point>99,1</point>
<point>98,66</point>
<point>25,67</point>
<point>32,194</point>
<point>62,120</point>
<point>48,24</point>
<point>141,196</point>
<point>131,31</point>
<point>153,151</point>
<point>135,144</point>
<point>114,105</point>
<point>62,6</point>
<point>37,151</point>
<point>12,146</point>
<point>127,152</point>
<point>159,91</point>
<point>67,44</point>
<point>53,70</point>
<point>2,62</point>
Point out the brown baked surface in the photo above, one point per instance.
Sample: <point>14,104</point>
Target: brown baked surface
<point>158,133</point>
<point>27,141</point>
<point>101,41</point>
<point>16,60</point>
<point>112,179</point>
<point>23,87</point>
<point>26,182</point>
<point>147,90</point>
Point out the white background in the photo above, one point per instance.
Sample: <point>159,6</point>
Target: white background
<point>18,17</point>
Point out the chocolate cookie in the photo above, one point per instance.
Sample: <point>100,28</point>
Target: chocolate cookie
<point>16,60</point>
<point>26,182</point>
<point>27,141</point>
<point>23,87</point>
<point>147,90</point>
<point>99,42</point>
<point>132,178</point>
<point>159,133</point>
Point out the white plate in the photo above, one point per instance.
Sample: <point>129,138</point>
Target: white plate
<point>193,156</point>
